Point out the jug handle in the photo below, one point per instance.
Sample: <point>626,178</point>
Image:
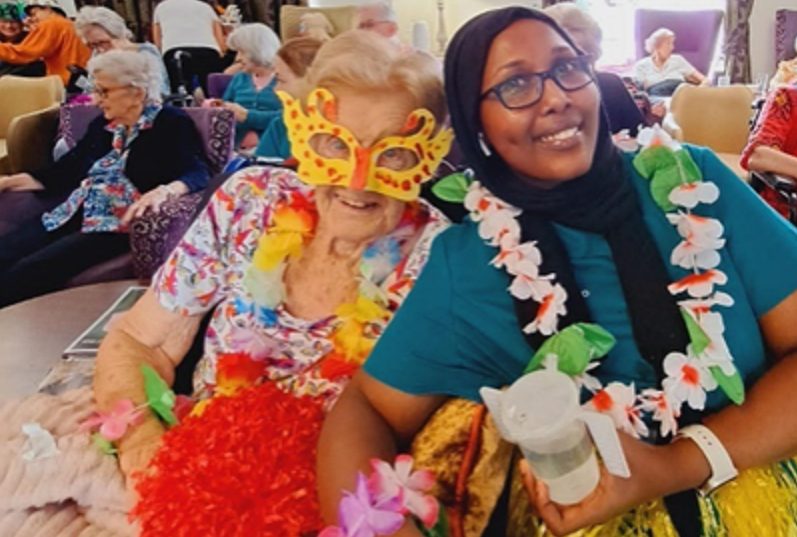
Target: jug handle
<point>604,435</point>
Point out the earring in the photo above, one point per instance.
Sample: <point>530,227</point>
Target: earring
<point>483,145</point>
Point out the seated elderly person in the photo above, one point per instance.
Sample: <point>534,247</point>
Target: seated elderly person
<point>661,72</point>
<point>103,29</point>
<point>52,40</point>
<point>129,161</point>
<point>12,31</point>
<point>624,115</point>
<point>250,94</point>
<point>290,67</point>
<point>301,271</point>
<point>772,146</point>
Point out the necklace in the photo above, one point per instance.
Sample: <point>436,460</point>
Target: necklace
<point>706,364</point>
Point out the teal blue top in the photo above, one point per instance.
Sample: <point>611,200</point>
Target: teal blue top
<point>457,331</point>
<point>262,106</point>
<point>274,142</point>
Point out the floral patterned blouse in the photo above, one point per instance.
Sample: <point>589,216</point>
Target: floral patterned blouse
<point>207,270</point>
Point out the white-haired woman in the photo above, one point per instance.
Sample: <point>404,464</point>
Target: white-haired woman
<point>129,161</point>
<point>250,94</point>
<point>661,72</point>
<point>103,29</point>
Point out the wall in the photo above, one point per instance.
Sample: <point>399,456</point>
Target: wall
<point>762,34</point>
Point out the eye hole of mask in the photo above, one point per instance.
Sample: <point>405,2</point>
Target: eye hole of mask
<point>330,146</point>
<point>397,159</point>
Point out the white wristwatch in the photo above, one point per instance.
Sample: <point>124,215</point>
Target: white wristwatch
<point>722,468</point>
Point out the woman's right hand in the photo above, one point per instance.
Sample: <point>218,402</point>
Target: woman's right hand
<point>19,182</point>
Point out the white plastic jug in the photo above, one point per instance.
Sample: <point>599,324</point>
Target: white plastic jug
<point>540,413</point>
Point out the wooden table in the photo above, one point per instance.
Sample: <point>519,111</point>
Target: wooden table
<point>34,333</point>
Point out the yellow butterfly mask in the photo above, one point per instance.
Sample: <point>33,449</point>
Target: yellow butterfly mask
<point>329,154</point>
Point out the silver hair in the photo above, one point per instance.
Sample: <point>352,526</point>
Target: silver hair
<point>257,41</point>
<point>384,10</point>
<point>104,18</point>
<point>656,37</point>
<point>130,68</point>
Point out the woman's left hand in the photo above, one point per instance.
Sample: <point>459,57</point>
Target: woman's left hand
<point>239,111</point>
<point>151,201</point>
<point>655,471</point>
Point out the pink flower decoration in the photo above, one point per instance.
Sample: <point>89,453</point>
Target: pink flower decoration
<point>362,515</point>
<point>400,482</point>
<point>113,424</point>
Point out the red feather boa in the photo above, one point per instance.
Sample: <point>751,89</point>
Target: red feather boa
<point>246,466</point>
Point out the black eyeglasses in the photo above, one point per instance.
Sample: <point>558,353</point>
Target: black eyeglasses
<point>524,90</point>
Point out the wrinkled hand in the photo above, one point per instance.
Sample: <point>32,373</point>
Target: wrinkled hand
<point>652,471</point>
<point>151,201</point>
<point>239,111</point>
<point>19,182</point>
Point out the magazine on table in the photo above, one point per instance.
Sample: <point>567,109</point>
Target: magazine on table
<point>87,343</point>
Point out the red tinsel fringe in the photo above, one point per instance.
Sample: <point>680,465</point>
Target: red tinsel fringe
<point>246,466</point>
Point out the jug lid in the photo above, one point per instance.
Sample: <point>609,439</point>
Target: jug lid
<point>540,403</point>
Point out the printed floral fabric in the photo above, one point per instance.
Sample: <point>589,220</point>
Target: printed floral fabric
<point>106,193</point>
<point>207,270</point>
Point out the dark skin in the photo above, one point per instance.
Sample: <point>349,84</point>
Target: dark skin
<point>372,419</point>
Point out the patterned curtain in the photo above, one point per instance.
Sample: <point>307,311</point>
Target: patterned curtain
<point>737,39</point>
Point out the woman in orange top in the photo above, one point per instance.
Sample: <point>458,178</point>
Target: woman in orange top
<point>53,39</point>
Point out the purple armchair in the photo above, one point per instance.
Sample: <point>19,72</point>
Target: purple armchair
<point>154,235</point>
<point>785,32</point>
<point>217,84</point>
<point>696,33</point>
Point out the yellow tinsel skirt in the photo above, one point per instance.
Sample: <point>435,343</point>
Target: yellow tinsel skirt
<point>461,445</point>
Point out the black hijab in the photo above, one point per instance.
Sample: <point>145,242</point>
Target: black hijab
<point>602,201</point>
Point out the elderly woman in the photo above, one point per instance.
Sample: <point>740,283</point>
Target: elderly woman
<point>102,29</point>
<point>624,115</point>
<point>12,31</point>
<point>132,157</point>
<point>661,72</point>
<point>772,147</point>
<point>572,245</point>
<point>300,273</point>
<point>250,94</point>
<point>53,40</point>
<point>290,67</point>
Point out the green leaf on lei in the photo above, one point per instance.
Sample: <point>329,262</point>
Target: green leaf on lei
<point>733,386</point>
<point>697,336</point>
<point>440,529</point>
<point>575,346</point>
<point>651,159</point>
<point>103,444</point>
<point>452,188</point>
<point>666,169</point>
<point>159,397</point>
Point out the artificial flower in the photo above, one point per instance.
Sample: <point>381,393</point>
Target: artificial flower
<point>702,238</point>
<point>349,338</point>
<point>687,380</point>
<point>657,402</point>
<point>618,401</point>
<point>551,307</point>
<point>380,259</point>
<point>292,224</point>
<point>587,381</point>
<point>400,482</point>
<point>716,352</point>
<point>359,515</point>
<point>267,287</point>
<point>524,287</point>
<point>699,306</point>
<point>656,136</point>
<point>253,342</point>
<point>519,259</point>
<point>688,195</point>
<point>479,201</point>
<point>500,228</point>
<point>700,284</point>
<point>113,424</point>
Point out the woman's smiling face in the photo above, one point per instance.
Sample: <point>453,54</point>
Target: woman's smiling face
<point>554,139</point>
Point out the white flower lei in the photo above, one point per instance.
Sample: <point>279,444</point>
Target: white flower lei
<point>690,374</point>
